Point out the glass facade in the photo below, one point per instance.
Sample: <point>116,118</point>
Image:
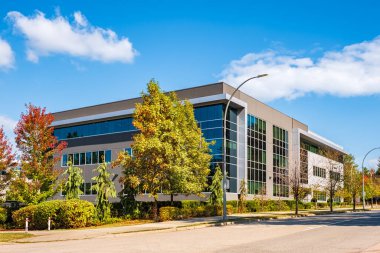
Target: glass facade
<point>210,120</point>
<point>93,129</point>
<point>280,162</point>
<point>257,155</point>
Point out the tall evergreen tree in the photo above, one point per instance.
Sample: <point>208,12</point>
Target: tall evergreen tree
<point>216,187</point>
<point>105,189</point>
<point>74,181</point>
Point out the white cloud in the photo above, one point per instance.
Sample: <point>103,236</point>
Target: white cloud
<point>6,55</point>
<point>8,125</point>
<point>77,38</point>
<point>352,71</point>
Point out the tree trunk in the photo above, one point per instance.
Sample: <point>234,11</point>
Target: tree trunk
<point>354,202</point>
<point>296,206</point>
<point>172,199</point>
<point>331,204</point>
<point>155,210</point>
<point>372,203</point>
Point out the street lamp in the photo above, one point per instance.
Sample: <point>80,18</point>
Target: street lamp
<point>225,146</point>
<point>363,174</point>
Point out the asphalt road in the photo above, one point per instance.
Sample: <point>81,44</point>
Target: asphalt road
<point>353,232</point>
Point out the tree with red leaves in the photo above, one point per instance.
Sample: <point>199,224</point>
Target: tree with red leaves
<point>40,151</point>
<point>7,161</point>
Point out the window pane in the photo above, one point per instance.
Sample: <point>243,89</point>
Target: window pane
<point>95,157</point>
<point>64,160</point>
<point>88,158</point>
<point>82,158</point>
<point>101,156</point>
<point>76,159</point>
<point>108,156</point>
<point>87,189</point>
<point>70,157</point>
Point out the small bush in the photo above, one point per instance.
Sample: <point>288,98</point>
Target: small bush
<point>190,204</point>
<point>230,209</point>
<point>76,213</point>
<point>169,213</point>
<point>3,215</point>
<point>20,215</point>
<point>42,213</point>
<point>252,206</point>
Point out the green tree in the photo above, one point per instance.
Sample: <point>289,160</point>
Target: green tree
<point>169,152</point>
<point>105,189</point>
<point>352,180</point>
<point>371,187</point>
<point>189,168</point>
<point>216,189</point>
<point>74,181</point>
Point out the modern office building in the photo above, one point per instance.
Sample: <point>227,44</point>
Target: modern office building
<point>263,144</point>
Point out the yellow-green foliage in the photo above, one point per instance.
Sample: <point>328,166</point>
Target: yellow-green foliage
<point>169,213</point>
<point>3,215</point>
<point>64,214</point>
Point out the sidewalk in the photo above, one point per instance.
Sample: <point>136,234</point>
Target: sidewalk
<point>87,233</point>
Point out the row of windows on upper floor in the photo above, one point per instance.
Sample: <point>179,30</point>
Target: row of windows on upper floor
<point>86,158</point>
<point>90,158</point>
<point>208,117</point>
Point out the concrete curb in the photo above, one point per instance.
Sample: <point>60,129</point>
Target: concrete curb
<point>196,225</point>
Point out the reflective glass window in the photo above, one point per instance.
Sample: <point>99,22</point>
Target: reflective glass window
<point>108,156</point>
<point>82,158</point>
<point>64,160</point>
<point>95,157</point>
<point>88,158</point>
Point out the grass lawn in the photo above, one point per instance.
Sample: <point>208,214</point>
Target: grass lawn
<point>8,237</point>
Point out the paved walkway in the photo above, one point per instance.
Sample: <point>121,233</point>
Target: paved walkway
<point>79,234</point>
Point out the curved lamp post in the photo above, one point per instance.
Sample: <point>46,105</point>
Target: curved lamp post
<point>363,174</point>
<point>225,147</point>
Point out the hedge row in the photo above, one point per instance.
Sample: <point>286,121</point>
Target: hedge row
<point>174,213</point>
<point>63,214</point>
<point>3,215</point>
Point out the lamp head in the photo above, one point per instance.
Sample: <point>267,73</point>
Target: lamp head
<point>262,75</point>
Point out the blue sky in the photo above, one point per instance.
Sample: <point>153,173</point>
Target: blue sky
<point>323,58</point>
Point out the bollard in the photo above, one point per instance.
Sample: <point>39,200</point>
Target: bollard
<point>49,222</point>
<point>26,225</point>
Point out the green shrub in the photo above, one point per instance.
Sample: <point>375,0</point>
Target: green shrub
<point>42,213</point>
<point>64,214</point>
<point>190,204</point>
<point>3,215</point>
<point>201,211</point>
<point>322,204</point>
<point>20,215</point>
<point>75,213</point>
<point>233,203</point>
<point>230,209</point>
<point>252,206</point>
<point>169,213</point>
